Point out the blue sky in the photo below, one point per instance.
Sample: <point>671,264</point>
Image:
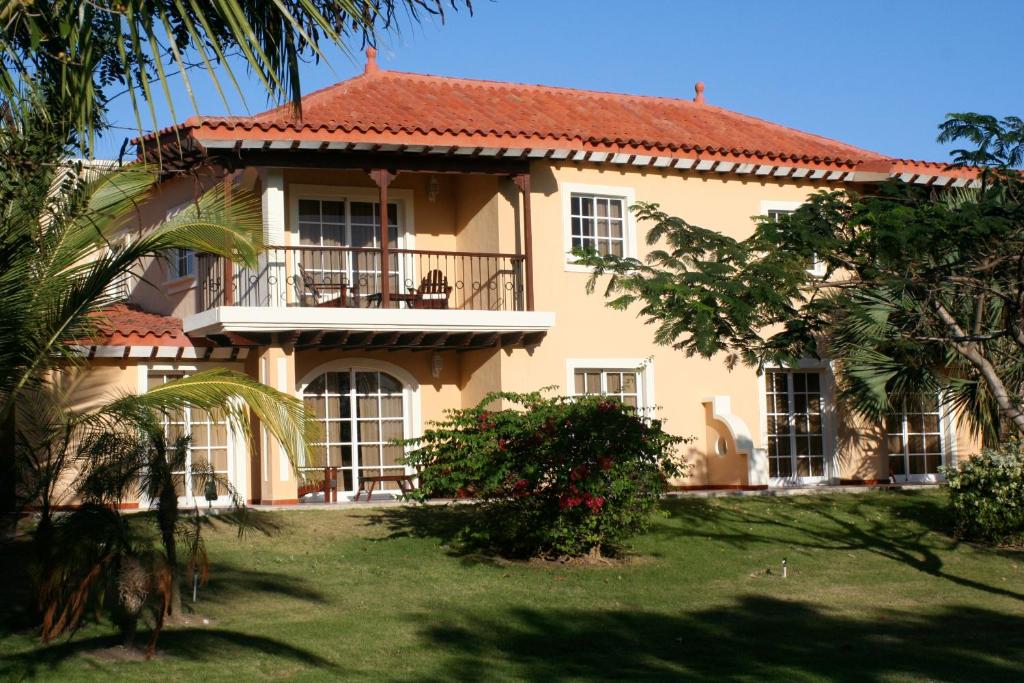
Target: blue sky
<point>880,75</point>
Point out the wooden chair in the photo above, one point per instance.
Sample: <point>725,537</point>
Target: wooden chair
<point>313,292</point>
<point>433,292</point>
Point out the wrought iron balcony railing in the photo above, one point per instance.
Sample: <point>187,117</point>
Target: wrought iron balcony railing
<point>354,278</point>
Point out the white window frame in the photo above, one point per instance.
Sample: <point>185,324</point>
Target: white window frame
<point>176,280</point>
<point>947,438</point>
<point>817,268</point>
<point>411,400</point>
<point>828,423</point>
<point>336,193</point>
<point>342,193</point>
<point>644,368</point>
<point>628,196</point>
<point>236,443</point>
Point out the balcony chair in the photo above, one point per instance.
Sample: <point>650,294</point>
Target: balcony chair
<point>433,292</point>
<point>313,292</point>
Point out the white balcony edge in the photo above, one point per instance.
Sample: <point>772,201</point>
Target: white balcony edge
<point>289,319</point>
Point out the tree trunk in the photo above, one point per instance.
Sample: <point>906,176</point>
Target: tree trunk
<point>8,477</point>
<point>167,519</point>
<point>973,353</point>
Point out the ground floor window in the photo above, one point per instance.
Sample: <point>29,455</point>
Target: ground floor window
<point>914,438</point>
<point>208,447</point>
<point>625,384</point>
<point>796,443</point>
<point>362,412</point>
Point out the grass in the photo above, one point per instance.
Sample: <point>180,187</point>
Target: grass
<point>876,590</point>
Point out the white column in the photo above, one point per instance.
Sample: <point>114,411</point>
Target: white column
<point>273,280</point>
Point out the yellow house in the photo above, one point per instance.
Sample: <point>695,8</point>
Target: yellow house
<point>469,286</point>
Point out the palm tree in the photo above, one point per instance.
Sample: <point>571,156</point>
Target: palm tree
<point>62,247</point>
<point>93,558</point>
<point>82,53</point>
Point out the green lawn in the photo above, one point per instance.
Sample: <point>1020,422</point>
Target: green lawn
<point>876,591</point>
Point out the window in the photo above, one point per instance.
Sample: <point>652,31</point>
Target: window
<point>353,225</point>
<point>816,266</point>
<point>628,380</point>
<point>796,443</point>
<point>598,223</point>
<point>182,263</point>
<point>914,434</point>
<point>361,412</point>
<point>208,446</point>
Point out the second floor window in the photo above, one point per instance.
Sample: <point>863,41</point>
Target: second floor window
<point>598,223</point>
<point>816,267</point>
<point>182,263</point>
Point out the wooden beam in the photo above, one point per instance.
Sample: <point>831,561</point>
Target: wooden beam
<point>522,181</point>
<point>382,178</point>
<point>512,338</point>
<point>394,161</point>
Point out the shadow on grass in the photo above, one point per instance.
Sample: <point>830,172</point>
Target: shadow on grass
<point>192,644</point>
<point>228,584</point>
<point>906,527</point>
<point>438,522</point>
<point>757,638</point>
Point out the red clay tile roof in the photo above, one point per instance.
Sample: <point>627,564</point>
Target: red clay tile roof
<point>390,103</point>
<point>126,325</point>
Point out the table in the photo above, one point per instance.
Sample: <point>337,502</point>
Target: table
<point>404,481</point>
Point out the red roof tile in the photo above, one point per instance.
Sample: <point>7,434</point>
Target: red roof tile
<point>126,325</point>
<point>390,103</point>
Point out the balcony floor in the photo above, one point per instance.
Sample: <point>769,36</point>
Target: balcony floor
<point>364,328</point>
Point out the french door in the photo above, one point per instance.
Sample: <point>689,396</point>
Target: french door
<point>361,412</point>
<point>209,449</point>
<point>795,427</point>
<point>915,440</point>
<point>353,225</point>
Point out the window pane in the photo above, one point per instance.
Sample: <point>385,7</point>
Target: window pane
<point>309,210</point>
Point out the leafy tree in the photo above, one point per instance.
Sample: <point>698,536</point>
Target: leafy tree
<point>82,53</point>
<point>923,287</point>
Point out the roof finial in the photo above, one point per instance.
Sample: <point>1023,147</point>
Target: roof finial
<point>371,60</point>
<point>698,88</point>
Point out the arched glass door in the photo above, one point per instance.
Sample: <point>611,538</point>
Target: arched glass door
<point>360,411</point>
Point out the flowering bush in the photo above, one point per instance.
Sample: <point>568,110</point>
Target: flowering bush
<point>554,476</point>
<point>987,495</point>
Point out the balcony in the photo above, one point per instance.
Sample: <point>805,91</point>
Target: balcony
<point>344,277</point>
<point>313,296</point>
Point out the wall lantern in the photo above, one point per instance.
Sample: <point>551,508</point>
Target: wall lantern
<point>436,365</point>
<point>433,189</point>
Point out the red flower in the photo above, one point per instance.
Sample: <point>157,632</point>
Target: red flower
<point>579,472</point>
<point>502,444</point>
<point>595,503</point>
<point>605,406</point>
<point>606,462</point>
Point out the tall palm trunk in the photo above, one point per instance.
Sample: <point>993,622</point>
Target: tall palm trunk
<point>167,520</point>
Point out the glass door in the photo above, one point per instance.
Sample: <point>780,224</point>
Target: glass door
<point>914,439</point>
<point>796,436</point>
<point>208,450</point>
<point>361,412</point>
<point>339,240</point>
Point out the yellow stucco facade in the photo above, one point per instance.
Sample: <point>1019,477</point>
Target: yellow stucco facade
<point>724,411</point>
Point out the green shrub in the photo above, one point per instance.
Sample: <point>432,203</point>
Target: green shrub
<point>553,476</point>
<point>987,495</point>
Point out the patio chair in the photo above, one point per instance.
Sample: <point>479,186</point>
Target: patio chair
<point>433,292</point>
<point>313,292</point>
